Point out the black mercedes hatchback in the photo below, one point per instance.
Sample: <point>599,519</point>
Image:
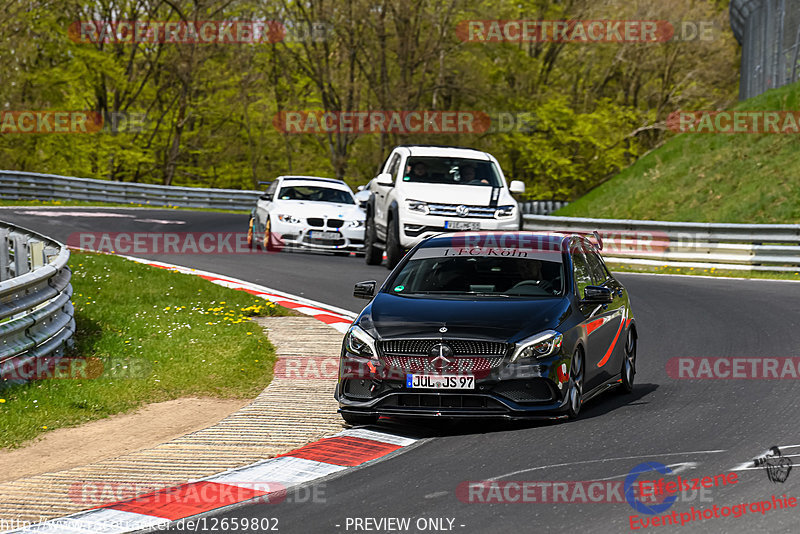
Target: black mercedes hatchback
<point>512,325</point>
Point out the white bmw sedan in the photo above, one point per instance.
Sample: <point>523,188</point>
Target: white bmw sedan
<point>307,212</point>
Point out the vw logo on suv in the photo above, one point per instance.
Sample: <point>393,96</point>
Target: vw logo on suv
<point>462,211</point>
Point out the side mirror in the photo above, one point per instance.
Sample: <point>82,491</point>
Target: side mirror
<point>517,186</point>
<point>597,295</point>
<point>365,290</point>
<point>362,197</point>
<point>384,179</point>
<point>265,196</point>
<point>360,188</point>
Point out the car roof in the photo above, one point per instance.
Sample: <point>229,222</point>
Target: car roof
<point>545,241</point>
<point>445,151</point>
<point>314,179</point>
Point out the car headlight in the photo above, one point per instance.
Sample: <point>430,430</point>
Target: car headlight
<point>504,211</point>
<point>354,224</point>
<point>539,346</point>
<point>358,343</point>
<point>291,219</point>
<point>419,207</point>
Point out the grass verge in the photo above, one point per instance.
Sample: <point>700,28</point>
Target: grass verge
<point>692,271</point>
<point>160,335</point>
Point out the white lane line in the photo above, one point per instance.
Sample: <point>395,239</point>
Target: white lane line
<point>48,213</point>
<point>675,468</point>
<point>602,460</point>
<point>159,221</point>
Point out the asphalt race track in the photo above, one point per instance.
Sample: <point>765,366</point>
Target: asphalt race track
<point>697,427</point>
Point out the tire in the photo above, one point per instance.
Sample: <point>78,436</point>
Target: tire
<point>394,252</point>
<point>372,254</point>
<point>267,241</point>
<point>576,378</point>
<point>357,419</point>
<point>628,371</point>
<point>251,241</point>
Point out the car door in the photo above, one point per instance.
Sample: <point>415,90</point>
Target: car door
<point>382,197</point>
<point>615,313</point>
<point>597,323</point>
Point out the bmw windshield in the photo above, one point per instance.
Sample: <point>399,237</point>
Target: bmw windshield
<point>453,272</point>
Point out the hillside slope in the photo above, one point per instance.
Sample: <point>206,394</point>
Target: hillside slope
<point>744,178</point>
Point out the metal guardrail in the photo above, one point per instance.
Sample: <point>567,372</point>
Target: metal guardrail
<point>33,186</point>
<point>756,247</point>
<point>541,207</point>
<point>36,314</point>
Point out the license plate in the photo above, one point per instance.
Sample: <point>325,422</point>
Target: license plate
<point>462,225</point>
<point>440,382</point>
<point>317,234</point>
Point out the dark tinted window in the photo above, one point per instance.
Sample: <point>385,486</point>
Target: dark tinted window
<point>599,272</point>
<point>582,272</point>
<point>479,275</point>
<point>453,171</point>
<point>315,194</point>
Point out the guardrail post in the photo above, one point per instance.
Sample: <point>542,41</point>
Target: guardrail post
<point>5,256</point>
<point>21,265</point>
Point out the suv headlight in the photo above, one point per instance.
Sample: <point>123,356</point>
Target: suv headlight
<point>354,224</point>
<point>291,219</point>
<point>539,346</point>
<point>504,211</point>
<point>358,343</point>
<point>419,207</point>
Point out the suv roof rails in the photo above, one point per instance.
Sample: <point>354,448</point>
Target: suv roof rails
<point>439,146</point>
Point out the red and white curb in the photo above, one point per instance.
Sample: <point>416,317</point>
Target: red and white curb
<point>337,318</point>
<point>267,480</point>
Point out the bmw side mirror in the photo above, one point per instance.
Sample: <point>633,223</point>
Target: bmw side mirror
<point>365,290</point>
<point>384,179</point>
<point>597,295</point>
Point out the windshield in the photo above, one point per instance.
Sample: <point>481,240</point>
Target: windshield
<point>484,275</point>
<point>315,194</point>
<point>452,171</point>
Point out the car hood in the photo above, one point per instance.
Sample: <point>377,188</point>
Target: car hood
<point>306,208</point>
<point>471,195</point>
<point>507,319</point>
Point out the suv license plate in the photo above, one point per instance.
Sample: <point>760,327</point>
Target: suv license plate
<point>462,225</point>
<point>316,234</point>
<point>440,381</point>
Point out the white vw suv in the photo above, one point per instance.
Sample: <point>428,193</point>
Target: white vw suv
<point>423,190</point>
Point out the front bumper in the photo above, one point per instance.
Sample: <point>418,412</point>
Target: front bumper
<point>301,236</point>
<point>511,391</point>
<point>417,228</point>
